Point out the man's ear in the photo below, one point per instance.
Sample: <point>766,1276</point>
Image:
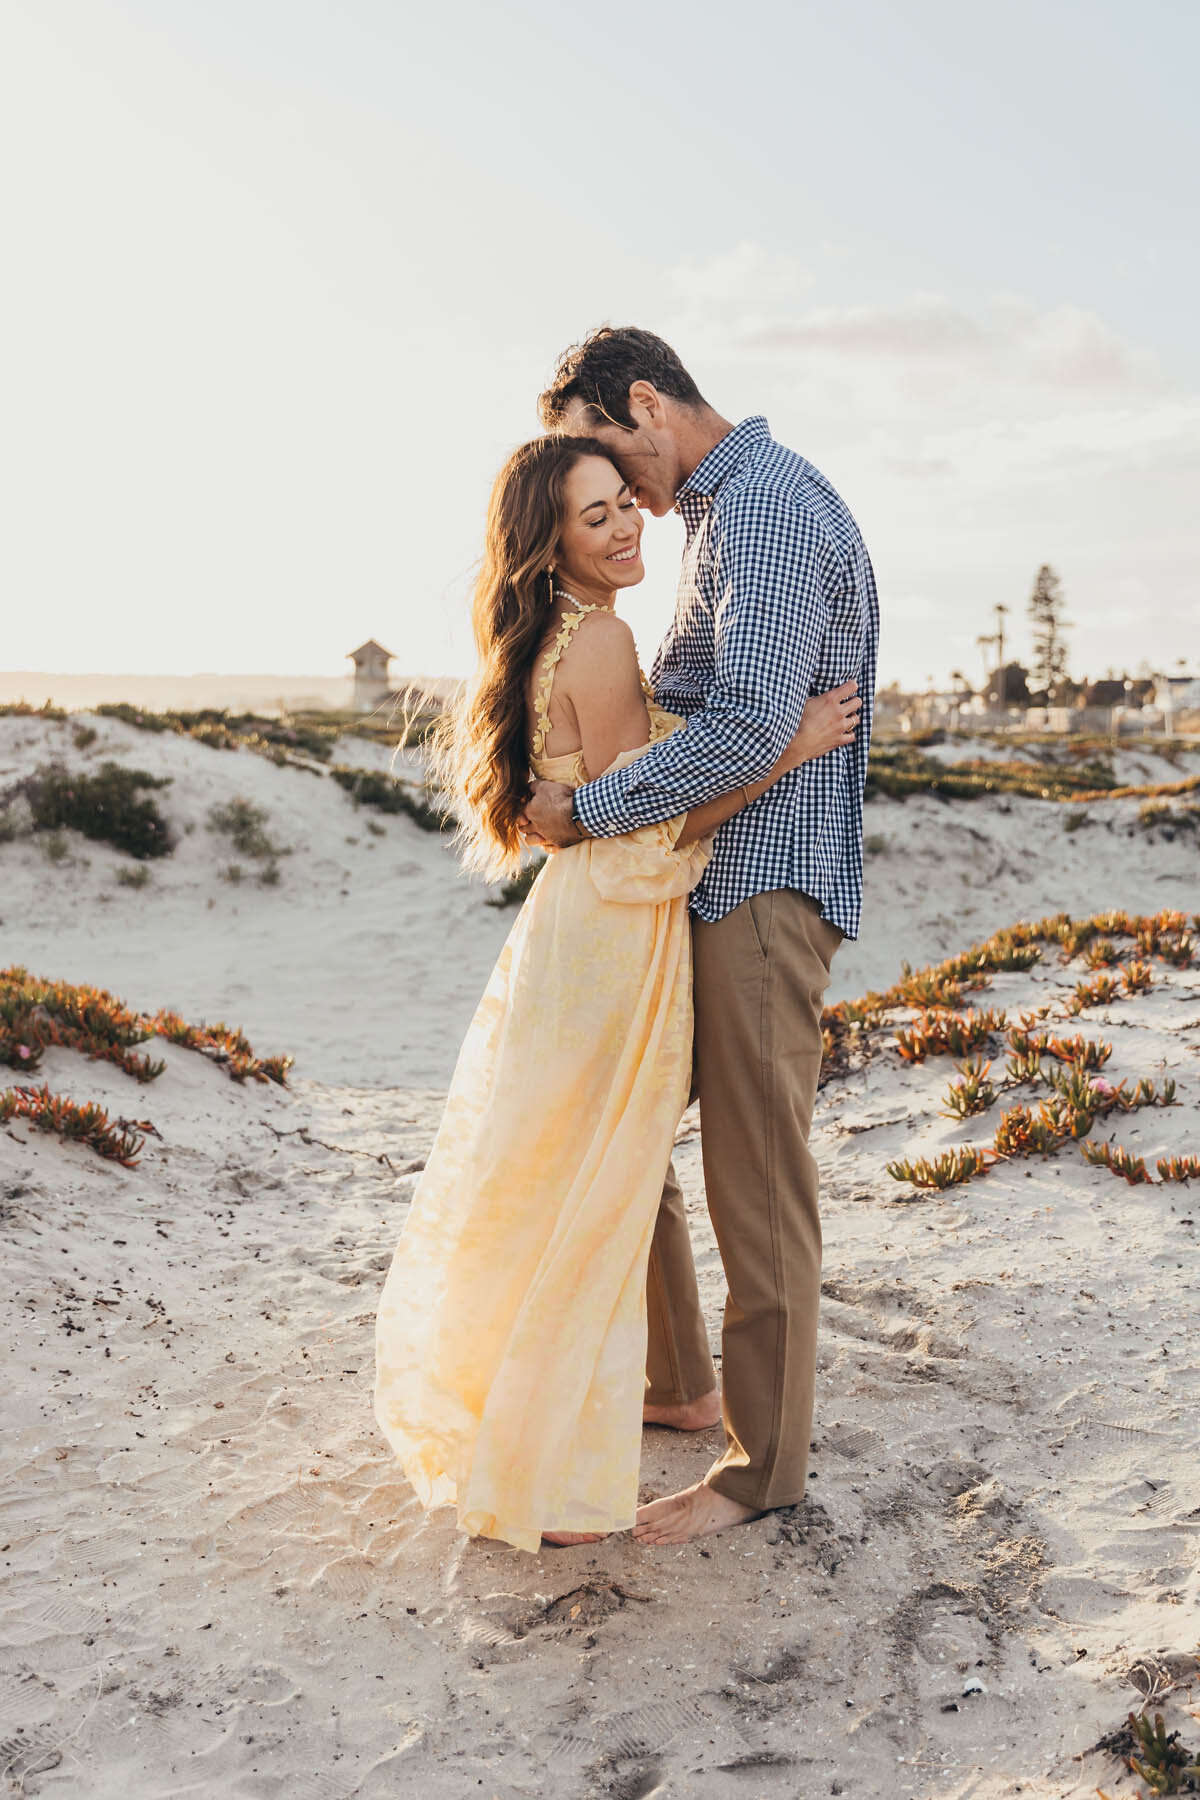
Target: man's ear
<point>645,403</point>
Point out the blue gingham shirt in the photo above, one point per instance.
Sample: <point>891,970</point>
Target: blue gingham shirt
<point>776,602</point>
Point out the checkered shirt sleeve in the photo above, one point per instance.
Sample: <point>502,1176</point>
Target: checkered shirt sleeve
<point>770,571</point>
<point>776,601</point>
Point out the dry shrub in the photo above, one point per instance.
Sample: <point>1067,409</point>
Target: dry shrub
<point>110,806</point>
<point>513,892</point>
<point>21,709</point>
<point>368,787</point>
<point>244,824</point>
<point>221,730</point>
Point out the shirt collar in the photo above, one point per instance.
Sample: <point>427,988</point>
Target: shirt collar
<point>724,457</point>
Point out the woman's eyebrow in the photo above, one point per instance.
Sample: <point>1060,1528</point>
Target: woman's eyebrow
<point>592,504</point>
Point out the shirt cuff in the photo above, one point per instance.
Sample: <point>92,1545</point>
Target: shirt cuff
<point>585,811</point>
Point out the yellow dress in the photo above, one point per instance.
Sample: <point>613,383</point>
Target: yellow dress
<point>511,1331</point>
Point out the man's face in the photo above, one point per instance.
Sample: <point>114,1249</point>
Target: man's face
<point>646,455</point>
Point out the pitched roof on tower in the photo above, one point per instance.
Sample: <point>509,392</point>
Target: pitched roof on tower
<point>368,648</point>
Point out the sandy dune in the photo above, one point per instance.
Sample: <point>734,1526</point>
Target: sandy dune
<point>368,958</point>
<point>216,1583</point>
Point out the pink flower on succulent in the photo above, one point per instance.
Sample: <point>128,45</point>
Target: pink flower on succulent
<point>24,1052</point>
<point>1100,1086</point>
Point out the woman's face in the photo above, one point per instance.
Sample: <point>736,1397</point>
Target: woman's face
<point>599,547</point>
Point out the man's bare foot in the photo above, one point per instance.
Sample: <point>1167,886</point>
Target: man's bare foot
<point>696,1512</point>
<point>686,1415</point>
<point>561,1539</point>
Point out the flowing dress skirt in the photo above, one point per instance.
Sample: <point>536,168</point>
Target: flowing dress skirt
<point>511,1332</point>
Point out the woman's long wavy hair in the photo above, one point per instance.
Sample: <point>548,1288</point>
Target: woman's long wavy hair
<point>481,753</point>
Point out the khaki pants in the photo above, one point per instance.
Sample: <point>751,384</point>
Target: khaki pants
<point>760,975</point>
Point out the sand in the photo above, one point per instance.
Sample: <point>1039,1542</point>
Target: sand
<point>216,1582</point>
<point>368,959</point>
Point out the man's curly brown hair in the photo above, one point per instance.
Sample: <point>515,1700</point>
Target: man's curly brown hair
<point>604,367</point>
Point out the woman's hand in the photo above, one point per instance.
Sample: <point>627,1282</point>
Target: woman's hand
<point>830,720</point>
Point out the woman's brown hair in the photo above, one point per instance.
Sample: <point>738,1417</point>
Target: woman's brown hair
<point>483,751</point>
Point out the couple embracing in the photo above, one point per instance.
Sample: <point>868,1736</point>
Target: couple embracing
<point>706,830</point>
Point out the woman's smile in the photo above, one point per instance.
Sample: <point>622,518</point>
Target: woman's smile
<point>600,546</point>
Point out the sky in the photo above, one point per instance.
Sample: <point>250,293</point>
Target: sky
<point>285,278</point>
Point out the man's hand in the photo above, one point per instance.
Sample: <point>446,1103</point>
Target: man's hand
<point>547,819</point>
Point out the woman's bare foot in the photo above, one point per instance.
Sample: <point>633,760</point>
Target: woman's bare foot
<point>686,1415</point>
<point>696,1512</point>
<point>561,1539</point>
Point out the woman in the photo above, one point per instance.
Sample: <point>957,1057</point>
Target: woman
<point>511,1335</point>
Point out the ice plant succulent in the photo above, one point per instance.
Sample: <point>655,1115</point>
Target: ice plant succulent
<point>1022,1132</point>
<point>1085,1053</point>
<point>1077,1099</point>
<point>939,1033</point>
<point>931,988</point>
<point>1164,1761</point>
<point>1178,1168</point>
<point>225,1045</point>
<point>1169,935</point>
<point>972,1092</point>
<point>1180,951</point>
<point>946,1170</point>
<point>1080,1093</point>
<point>1099,992</point>
<point>1025,1068</point>
<point>1023,1042</point>
<point>88,1124</point>
<point>1119,1160</point>
<point>36,1014</point>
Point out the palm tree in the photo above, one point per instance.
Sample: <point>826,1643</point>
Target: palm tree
<point>1002,684</point>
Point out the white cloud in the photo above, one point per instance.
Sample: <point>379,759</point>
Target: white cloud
<point>1064,346</point>
<point>919,330</point>
<point>974,441</point>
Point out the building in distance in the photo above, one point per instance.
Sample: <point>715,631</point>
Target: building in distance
<point>372,683</point>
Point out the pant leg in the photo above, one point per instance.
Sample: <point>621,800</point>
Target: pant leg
<point>761,973</point>
<point>679,1366</point>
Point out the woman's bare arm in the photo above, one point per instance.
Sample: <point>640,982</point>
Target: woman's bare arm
<point>601,683</point>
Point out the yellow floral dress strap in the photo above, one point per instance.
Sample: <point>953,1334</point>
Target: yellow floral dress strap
<point>541,693</point>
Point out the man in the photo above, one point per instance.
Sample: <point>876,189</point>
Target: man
<point>776,601</point>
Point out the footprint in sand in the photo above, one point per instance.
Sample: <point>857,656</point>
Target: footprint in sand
<point>629,1736</point>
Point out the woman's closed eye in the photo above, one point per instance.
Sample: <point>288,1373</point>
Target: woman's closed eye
<point>624,506</point>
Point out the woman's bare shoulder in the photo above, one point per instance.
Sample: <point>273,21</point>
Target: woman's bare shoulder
<point>602,650</point>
